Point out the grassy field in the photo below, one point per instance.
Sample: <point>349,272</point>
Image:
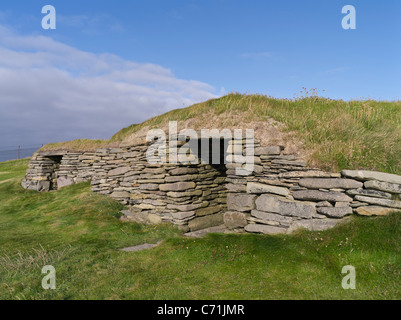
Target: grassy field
<point>78,233</point>
<point>337,134</point>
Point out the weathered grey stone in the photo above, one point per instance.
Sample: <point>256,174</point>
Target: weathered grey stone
<point>270,150</point>
<point>380,202</point>
<point>372,175</point>
<point>43,185</point>
<point>373,211</point>
<point>186,177</point>
<point>177,186</point>
<point>315,224</point>
<point>255,187</point>
<point>154,171</point>
<point>144,206</point>
<point>275,182</point>
<point>149,186</point>
<point>335,212</point>
<point>315,195</point>
<point>120,194</point>
<point>240,172</point>
<point>130,154</point>
<point>290,163</point>
<point>181,194</point>
<point>383,186</point>
<point>25,183</point>
<point>267,216</point>
<point>323,204</point>
<point>184,207</point>
<point>329,183</point>
<point>341,204</point>
<point>182,215</point>
<point>119,171</point>
<point>356,204</point>
<point>233,219</point>
<point>154,218</point>
<point>64,182</point>
<point>236,187</point>
<point>158,181</point>
<point>240,202</point>
<point>369,193</point>
<point>207,210</point>
<point>269,222</point>
<point>183,170</point>
<point>292,208</point>
<point>206,222</point>
<point>263,228</point>
<point>305,174</point>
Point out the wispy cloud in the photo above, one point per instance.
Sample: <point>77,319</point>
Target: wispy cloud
<point>93,25</point>
<point>50,91</point>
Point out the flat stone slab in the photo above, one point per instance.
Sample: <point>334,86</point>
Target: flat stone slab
<point>141,247</point>
<point>307,174</point>
<point>233,219</point>
<point>64,182</point>
<point>315,195</point>
<point>383,186</point>
<point>267,217</point>
<point>240,202</point>
<point>372,175</point>
<point>203,232</point>
<point>374,211</point>
<point>265,229</point>
<point>369,193</point>
<point>380,202</point>
<point>255,187</point>
<point>337,212</point>
<point>285,207</point>
<point>324,183</point>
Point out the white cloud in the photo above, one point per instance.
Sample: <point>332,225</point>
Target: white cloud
<point>50,91</point>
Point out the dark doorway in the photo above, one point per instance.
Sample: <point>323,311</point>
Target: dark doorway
<point>56,159</point>
<point>214,152</point>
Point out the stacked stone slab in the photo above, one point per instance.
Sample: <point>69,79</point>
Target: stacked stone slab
<point>53,170</point>
<point>381,192</point>
<point>283,195</point>
<point>279,195</point>
<point>41,173</point>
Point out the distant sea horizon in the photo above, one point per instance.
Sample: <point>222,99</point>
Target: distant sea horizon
<point>7,155</point>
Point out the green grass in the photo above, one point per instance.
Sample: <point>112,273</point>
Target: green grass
<point>337,134</point>
<point>77,232</point>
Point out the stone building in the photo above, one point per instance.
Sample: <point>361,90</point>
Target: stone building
<point>279,195</point>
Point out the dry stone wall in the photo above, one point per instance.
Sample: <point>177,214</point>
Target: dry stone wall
<point>279,195</point>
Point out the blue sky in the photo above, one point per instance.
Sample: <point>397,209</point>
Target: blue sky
<point>180,52</point>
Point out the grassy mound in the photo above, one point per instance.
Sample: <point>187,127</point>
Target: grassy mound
<point>76,231</point>
<point>337,134</point>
